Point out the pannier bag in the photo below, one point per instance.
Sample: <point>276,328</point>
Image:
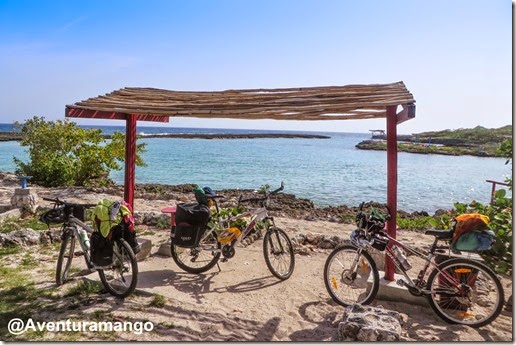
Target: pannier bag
<point>188,235</point>
<point>191,220</point>
<point>115,218</point>
<point>471,233</point>
<point>101,249</point>
<point>192,213</point>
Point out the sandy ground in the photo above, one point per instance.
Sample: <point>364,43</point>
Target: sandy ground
<point>243,301</point>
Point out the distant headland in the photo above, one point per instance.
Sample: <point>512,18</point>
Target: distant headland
<point>478,141</point>
<point>12,136</point>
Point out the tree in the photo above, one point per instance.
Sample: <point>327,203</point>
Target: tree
<point>63,154</point>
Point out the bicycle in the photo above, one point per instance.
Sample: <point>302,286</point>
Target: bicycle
<point>459,290</point>
<point>221,240</point>
<point>113,276</point>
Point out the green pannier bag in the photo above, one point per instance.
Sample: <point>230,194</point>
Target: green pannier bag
<point>475,241</point>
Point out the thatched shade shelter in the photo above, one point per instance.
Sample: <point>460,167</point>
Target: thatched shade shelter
<point>301,104</point>
<point>307,103</point>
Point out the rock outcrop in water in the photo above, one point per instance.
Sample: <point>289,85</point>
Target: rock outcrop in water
<point>10,136</point>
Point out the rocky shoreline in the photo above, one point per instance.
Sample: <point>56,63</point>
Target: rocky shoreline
<point>281,205</point>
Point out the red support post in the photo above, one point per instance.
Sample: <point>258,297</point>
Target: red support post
<point>392,182</point>
<point>130,159</point>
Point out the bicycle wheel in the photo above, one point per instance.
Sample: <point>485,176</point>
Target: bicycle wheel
<point>198,259</point>
<point>278,253</point>
<point>66,253</point>
<point>346,285</point>
<point>476,301</point>
<point>121,276</point>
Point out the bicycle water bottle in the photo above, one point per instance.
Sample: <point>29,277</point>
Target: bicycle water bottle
<point>83,236</point>
<point>401,258</point>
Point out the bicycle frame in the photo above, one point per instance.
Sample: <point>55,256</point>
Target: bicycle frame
<point>257,215</point>
<point>409,282</point>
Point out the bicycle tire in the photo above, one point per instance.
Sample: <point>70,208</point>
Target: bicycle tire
<point>197,260</point>
<point>483,301</point>
<point>344,290</point>
<point>64,261</point>
<point>277,247</point>
<point>122,255</point>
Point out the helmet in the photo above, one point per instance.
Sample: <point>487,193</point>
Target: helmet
<point>208,190</point>
<point>53,216</point>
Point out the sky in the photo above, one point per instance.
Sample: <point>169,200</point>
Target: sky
<point>455,57</point>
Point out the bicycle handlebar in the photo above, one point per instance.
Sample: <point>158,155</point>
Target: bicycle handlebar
<point>263,198</point>
<point>218,196</point>
<point>374,216</point>
<point>57,201</point>
<point>276,191</point>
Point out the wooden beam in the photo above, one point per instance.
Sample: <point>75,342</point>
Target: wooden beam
<point>130,159</point>
<point>110,115</point>
<point>392,182</point>
<point>408,112</point>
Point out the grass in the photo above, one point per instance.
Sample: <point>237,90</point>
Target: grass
<point>163,223</point>
<point>28,261</point>
<point>158,301</point>
<point>20,298</point>
<point>84,288</point>
<point>9,250</point>
<point>32,223</point>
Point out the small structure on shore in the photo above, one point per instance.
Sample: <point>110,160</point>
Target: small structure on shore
<point>24,197</point>
<point>377,133</point>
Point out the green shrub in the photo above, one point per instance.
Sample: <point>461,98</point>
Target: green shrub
<point>420,223</point>
<point>499,257</point>
<point>63,154</point>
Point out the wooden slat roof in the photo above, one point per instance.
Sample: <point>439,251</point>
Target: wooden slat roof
<point>305,103</point>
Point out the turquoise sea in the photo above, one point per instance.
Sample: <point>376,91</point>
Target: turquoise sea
<point>326,171</point>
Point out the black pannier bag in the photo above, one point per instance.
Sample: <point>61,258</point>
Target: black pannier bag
<point>101,249</point>
<point>192,213</point>
<point>191,221</point>
<point>122,231</point>
<point>187,235</point>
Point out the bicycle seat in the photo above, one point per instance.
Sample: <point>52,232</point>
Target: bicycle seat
<point>440,234</point>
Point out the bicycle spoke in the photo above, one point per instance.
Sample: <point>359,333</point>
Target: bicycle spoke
<point>348,283</point>
<point>120,277</point>
<point>279,254</point>
<point>476,299</point>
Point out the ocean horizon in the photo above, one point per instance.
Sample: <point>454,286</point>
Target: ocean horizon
<point>330,172</point>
